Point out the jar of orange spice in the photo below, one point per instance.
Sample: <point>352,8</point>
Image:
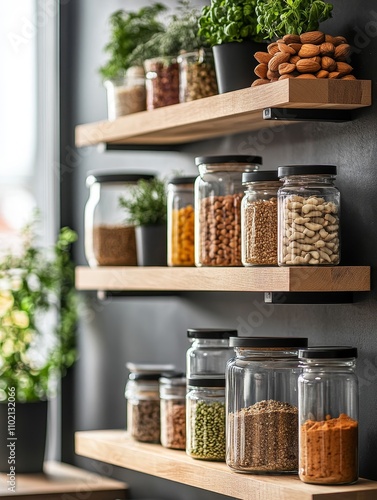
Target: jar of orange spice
<point>328,415</point>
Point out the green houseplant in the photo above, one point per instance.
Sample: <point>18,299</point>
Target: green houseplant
<point>37,341</point>
<point>147,210</point>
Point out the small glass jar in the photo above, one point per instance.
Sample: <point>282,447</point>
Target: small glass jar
<point>162,82</point>
<point>209,352</point>
<point>127,94</point>
<point>328,415</point>
<point>197,76</point>
<point>259,219</point>
<point>181,221</point>
<point>262,405</point>
<point>309,222</point>
<point>205,419</point>
<point>109,240</point>
<point>218,195</point>
<point>173,410</point>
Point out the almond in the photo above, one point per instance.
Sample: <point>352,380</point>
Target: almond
<point>273,48</point>
<point>256,83</point>
<point>286,48</point>
<point>296,46</point>
<point>327,49</point>
<point>334,75</point>
<point>342,52</point>
<point>307,76</point>
<point>272,75</point>
<point>309,50</point>
<point>278,58</point>
<point>307,66</point>
<point>343,68</point>
<point>274,80</point>
<point>291,39</point>
<point>286,76</point>
<point>338,40</point>
<point>263,57</point>
<point>315,37</point>
<point>294,59</point>
<point>348,77</point>
<point>328,63</point>
<point>316,59</point>
<point>261,70</point>
<point>330,39</point>
<point>285,68</point>
<point>322,73</point>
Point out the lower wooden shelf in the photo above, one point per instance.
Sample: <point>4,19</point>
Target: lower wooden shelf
<point>117,448</point>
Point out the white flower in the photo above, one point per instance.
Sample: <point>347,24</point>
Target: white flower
<point>6,301</point>
<point>33,282</point>
<point>20,319</point>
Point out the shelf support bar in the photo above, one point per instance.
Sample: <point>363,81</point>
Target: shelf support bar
<point>297,114</point>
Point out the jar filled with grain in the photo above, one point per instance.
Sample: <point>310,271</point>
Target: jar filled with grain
<point>309,216</point>
<point>218,195</point>
<point>262,405</point>
<point>109,240</point>
<point>181,221</point>
<point>162,82</point>
<point>328,415</point>
<point>259,219</point>
<point>209,352</point>
<point>197,76</point>
<point>126,94</point>
<point>205,419</point>
<point>173,410</point>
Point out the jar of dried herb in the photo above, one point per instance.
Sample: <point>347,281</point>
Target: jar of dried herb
<point>173,410</point>
<point>205,419</point>
<point>262,405</point>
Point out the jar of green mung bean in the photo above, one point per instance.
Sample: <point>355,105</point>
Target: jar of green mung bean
<point>205,419</point>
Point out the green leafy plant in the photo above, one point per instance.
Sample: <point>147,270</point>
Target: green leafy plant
<point>229,21</point>
<point>277,18</point>
<point>129,30</point>
<point>36,292</point>
<point>147,203</point>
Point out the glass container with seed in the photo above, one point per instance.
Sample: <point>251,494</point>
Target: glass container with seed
<point>262,405</point>
<point>173,410</point>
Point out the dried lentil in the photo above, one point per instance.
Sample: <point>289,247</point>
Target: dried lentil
<point>173,424</point>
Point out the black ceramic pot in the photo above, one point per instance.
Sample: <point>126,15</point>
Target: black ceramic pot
<point>25,448</point>
<point>235,63</point>
<point>151,245</point>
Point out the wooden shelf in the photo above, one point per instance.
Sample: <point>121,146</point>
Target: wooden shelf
<point>225,114</point>
<point>225,279</point>
<point>117,448</point>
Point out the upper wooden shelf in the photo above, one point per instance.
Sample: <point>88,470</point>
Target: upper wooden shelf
<point>117,448</point>
<point>226,279</point>
<point>225,114</point>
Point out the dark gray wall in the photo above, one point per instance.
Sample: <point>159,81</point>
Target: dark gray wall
<point>153,329</point>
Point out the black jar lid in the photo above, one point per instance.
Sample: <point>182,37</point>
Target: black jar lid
<point>288,170</point>
<point>144,376</point>
<point>268,342</point>
<point>211,333</point>
<point>261,175</point>
<point>115,176</point>
<point>199,160</point>
<point>206,382</point>
<point>173,378</point>
<point>182,180</point>
<point>328,352</point>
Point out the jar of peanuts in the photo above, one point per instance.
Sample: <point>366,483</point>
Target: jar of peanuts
<point>309,207</point>
<point>197,77</point>
<point>181,221</point>
<point>259,219</point>
<point>218,195</point>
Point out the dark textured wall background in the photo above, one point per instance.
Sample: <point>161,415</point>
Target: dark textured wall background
<point>153,329</point>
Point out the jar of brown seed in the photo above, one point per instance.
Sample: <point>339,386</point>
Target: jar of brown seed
<point>197,77</point>
<point>259,219</point>
<point>173,410</point>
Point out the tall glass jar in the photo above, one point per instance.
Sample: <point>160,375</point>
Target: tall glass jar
<point>205,419</point>
<point>218,195</point>
<point>328,415</point>
<point>126,94</point>
<point>197,76</point>
<point>262,405</point>
<point>109,240</point>
<point>309,222</point>
<point>209,352</point>
<point>173,410</point>
<point>259,218</point>
<point>162,82</point>
<point>181,221</point>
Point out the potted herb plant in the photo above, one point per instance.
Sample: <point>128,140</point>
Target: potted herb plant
<point>37,344</point>
<point>230,28</point>
<point>146,209</point>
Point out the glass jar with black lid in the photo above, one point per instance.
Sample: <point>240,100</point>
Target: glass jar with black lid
<point>173,410</point>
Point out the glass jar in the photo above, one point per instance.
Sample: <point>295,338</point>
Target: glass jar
<point>197,77</point>
<point>262,405</point>
<point>205,419</point>
<point>126,95</point>
<point>259,219</point>
<point>162,82</point>
<point>109,240</point>
<point>309,206</point>
<point>209,352</point>
<point>173,410</point>
<point>218,194</point>
<point>328,415</point>
<point>181,221</point>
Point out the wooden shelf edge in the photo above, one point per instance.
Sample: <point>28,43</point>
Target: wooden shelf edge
<point>226,279</point>
<point>117,448</point>
<point>238,111</point>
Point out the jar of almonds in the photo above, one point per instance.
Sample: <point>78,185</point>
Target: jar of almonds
<point>162,82</point>
<point>197,77</point>
<point>309,211</point>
